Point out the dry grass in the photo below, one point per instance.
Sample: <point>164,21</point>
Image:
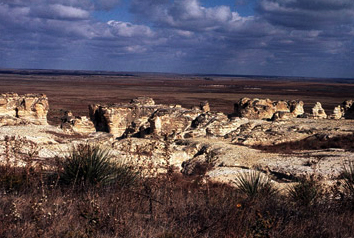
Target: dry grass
<point>34,204</point>
<point>171,205</point>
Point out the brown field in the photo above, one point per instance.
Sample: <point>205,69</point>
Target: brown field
<point>75,91</point>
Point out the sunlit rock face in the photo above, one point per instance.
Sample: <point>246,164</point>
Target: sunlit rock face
<point>337,114</point>
<point>172,121</point>
<point>76,124</point>
<point>266,108</point>
<point>122,119</point>
<point>143,117</point>
<point>318,112</point>
<point>32,108</point>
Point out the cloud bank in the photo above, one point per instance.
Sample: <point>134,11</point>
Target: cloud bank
<point>283,37</point>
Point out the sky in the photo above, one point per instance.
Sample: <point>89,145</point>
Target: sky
<point>310,38</point>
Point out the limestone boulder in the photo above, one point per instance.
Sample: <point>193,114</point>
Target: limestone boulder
<point>254,108</point>
<point>142,117</point>
<point>213,125</point>
<point>9,102</point>
<point>29,107</point>
<point>296,107</point>
<point>81,125</point>
<point>338,113</point>
<point>147,101</point>
<point>204,106</point>
<point>266,108</point>
<point>172,121</point>
<point>281,106</point>
<point>121,119</point>
<point>318,112</point>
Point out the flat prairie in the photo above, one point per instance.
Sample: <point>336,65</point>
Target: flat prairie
<point>75,90</point>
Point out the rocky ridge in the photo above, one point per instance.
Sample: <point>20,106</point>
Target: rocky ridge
<point>276,137</point>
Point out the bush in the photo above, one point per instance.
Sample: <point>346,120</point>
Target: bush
<point>254,184</point>
<point>92,165</point>
<point>305,192</point>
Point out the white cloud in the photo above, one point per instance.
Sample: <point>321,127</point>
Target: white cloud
<point>67,12</point>
<point>128,29</point>
<point>184,33</point>
<point>135,49</point>
<point>221,14</point>
<point>187,10</point>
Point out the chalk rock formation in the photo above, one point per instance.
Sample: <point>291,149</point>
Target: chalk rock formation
<point>74,124</point>
<point>254,108</point>
<point>142,117</point>
<point>147,101</point>
<point>172,121</point>
<point>204,106</point>
<point>196,141</point>
<point>266,108</point>
<point>296,107</point>
<point>318,112</point>
<point>6,120</point>
<point>32,108</point>
<point>123,119</point>
<point>338,113</point>
<point>213,125</point>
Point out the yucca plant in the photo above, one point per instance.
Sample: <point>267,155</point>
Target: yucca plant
<point>93,165</point>
<point>305,192</point>
<point>254,184</point>
<point>348,176</point>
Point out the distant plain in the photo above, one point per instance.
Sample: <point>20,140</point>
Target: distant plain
<point>75,90</point>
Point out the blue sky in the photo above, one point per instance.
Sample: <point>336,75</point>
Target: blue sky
<point>313,38</point>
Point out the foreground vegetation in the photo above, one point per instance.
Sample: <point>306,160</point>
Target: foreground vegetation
<point>87,195</point>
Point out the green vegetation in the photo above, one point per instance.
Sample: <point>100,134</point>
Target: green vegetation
<point>254,184</point>
<point>93,165</point>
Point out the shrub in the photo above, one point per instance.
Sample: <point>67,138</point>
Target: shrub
<point>92,165</point>
<point>254,184</point>
<point>305,192</point>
